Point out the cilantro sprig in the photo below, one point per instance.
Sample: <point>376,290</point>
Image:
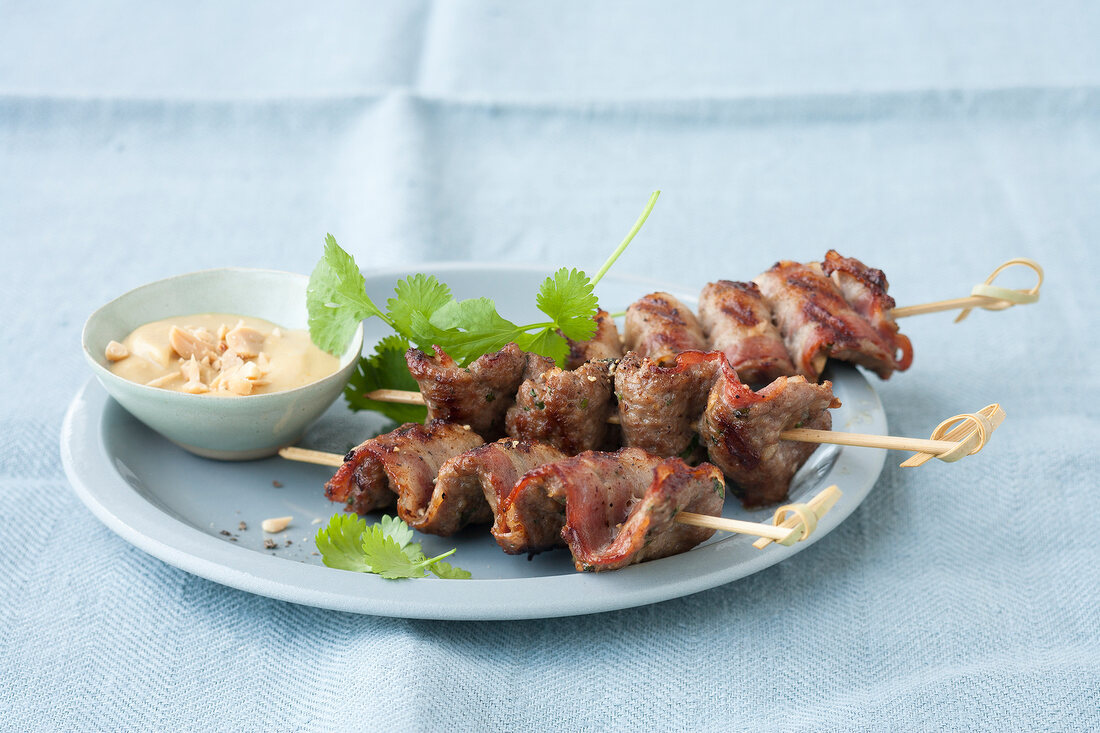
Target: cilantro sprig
<point>385,549</point>
<point>424,313</point>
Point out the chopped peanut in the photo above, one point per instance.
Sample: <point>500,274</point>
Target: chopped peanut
<point>276,524</point>
<point>116,351</point>
<point>192,343</point>
<point>248,342</point>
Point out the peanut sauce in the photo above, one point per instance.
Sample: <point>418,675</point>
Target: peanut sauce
<point>220,355</point>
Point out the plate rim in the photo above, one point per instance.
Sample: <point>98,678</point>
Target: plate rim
<point>106,493</point>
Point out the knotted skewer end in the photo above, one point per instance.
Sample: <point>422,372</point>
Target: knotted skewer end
<point>969,432</point>
<point>801,519</point>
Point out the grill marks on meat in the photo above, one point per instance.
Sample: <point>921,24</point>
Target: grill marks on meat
<point>400,465</point>
<point>604,344</point>
<point>472,485</point>
<point>659,405</point>
<point>865,290</point>
<point>817,323</point>
<point>477,395</point>
<point>741,428</point>
<point>568,409</point>
<point>660,326</point>
<point>616,509</point>
<point>738,322</point>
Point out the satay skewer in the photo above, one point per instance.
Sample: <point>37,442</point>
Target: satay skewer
<point>784,530</point>
<point>967,439</point>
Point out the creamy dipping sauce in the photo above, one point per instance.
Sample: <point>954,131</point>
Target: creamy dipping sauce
<point>220,355</point>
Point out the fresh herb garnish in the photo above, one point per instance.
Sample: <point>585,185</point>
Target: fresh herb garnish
<point>424,313</point>
<point>385,549</point>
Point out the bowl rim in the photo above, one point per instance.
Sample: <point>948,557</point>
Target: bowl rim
<point>353,350</point>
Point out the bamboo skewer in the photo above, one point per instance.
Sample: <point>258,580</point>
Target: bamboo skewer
<point>966,439</point>
<point>305,455</point>
<point>984,295</point>
<point>785,533</point>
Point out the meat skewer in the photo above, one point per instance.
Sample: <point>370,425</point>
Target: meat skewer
<point>784,531</point>
<point>837,308</point>
<point>948,449</point>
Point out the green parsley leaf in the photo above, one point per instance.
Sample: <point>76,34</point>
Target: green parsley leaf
<point>336,299</point>
<point>384,369</point>
<point>340,544</point>
<point>567,297</point>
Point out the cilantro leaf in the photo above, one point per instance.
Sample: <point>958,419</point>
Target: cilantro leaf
<point>419,293</point>
<point>448,572</point>
<point>424,312</point>
<point>340,544</point>
<point>397,530</point>
<point>384,369</point>
<point>336,299</point>
<point>567,297</point>
<point>471,328</point>
<point>386,557</point>
<point>385,549</point>
<point>546,342</point>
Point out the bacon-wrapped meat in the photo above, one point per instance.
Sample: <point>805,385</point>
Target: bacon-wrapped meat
<point>741,428</point>
<point>659,405</point>
<point>817,323</point>
<point>604,344</point>
<point>865,290</point>
<point>616,509</point>
<point>568,409</point>
<point>738,322</point>
<point>399,465</point>
<point>471,485</point>
<point>660,326</point>
<point>477,395</point>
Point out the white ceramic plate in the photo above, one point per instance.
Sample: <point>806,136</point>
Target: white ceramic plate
<point>187,510</point>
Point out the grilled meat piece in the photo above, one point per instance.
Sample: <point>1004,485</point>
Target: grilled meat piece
<point>604,344</point>
<point>741,428</point>
<point>400,465</point>
<point>659,405</point>
<point>817,323</point>
<point>568,409</point>
<point>865,290</point>
<point>738,322</point>
<point>477,395</point>
<point>660,326</point>
<point>616,509</point>
<point>471,485</point>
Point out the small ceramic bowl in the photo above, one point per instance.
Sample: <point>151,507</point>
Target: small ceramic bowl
<point>226,428</point>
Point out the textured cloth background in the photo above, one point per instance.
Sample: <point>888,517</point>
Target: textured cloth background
<point>143,140</point>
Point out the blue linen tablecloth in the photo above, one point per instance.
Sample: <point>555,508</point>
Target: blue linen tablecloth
<point>142,140</point>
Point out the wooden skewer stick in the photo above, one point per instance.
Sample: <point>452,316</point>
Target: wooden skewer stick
<point>800,526</point>
<point>965,440</point>
<point>305,455</point>
<point>784,534</point>
<point>984,295</point>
